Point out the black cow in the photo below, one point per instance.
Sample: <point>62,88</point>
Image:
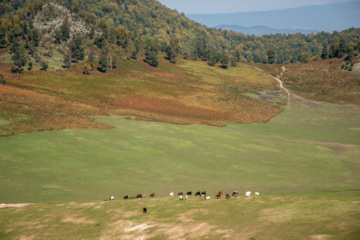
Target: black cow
<point>189,193</point>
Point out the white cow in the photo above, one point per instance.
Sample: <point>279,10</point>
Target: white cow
<point>181,197</point>
<point>186,197</point>
<point>248,194</point>
<point>171,194</point>
<point>257,194</point>
<point>207,198</point>
<point>111,198</point>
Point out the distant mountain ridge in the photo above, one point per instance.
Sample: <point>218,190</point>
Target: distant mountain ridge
<point>263,30</point>
<point>330,17</point>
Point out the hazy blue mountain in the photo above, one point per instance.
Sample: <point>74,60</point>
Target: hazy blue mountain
<point>330,17</point>
<point>263,30</point>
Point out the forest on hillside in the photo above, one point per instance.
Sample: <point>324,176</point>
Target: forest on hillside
<point>143,29</point>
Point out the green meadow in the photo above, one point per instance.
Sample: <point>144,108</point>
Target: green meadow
<point>305,163</point>
<point>310,148</point>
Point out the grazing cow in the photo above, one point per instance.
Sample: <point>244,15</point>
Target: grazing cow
<point>181,197</point>
<point>139,195</point>
<point>248,194</point>
<point>171,194</point>
<point>143,196</point>
<point>197,194</point>
<point>186,197</point>
<point>257,194</point>
<point>204,193</point>
<point>144,210</point>
<point>126,197</point>
<point>180,194</point>
<point>152,195</point>
<point>235,193</point>
<point>227,196</point>
<point>189,193</point>
<point>207,198</point>
<point>111,198</point>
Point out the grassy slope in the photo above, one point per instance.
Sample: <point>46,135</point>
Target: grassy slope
<point>186,93</point>
<point>304,162</point>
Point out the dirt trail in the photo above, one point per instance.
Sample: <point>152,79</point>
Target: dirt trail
<point>290,95</point>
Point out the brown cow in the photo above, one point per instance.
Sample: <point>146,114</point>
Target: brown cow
<point>152,195</point>
<point>139,195</point>
<point>143,196</point>
<point>218,196</point>
<point>227,196</point>
<point>126,197</point>
<point>180,194</point>
<point>235,193</point>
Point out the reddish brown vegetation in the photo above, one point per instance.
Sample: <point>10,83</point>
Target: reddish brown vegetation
<point>29,111</point>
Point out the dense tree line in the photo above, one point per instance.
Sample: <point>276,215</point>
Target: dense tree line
<point>149,27</point>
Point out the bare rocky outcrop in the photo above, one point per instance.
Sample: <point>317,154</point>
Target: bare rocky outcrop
<point>52,16</point>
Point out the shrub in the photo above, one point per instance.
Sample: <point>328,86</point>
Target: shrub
<point>2,80</point>
<point>30,65</point>
<point>44,66</point>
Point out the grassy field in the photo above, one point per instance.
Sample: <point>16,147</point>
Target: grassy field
<point>268,217</point>
<point>304,162</point>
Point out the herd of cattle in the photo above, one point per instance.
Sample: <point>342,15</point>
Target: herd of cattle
<point>235,194</point>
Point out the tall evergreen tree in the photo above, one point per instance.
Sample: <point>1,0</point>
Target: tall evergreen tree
<point>65,29</point>
<point>77,50</point>
<point>324,52</point>
<point>91,58</point>
<point>35,37</point>
<point>103,61</point>
<point>271,55</point>
<point>19,58</point>
<point>342,47</point>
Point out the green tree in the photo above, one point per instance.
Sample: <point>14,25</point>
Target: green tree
<point>173,49</point>
<point>67,60</point>
<point>65,29</point>
<point>237,55</point>
<point>35,37</point>
<point>2,80</point>
<point>342,47</point>
<point>225,60</point>
<point>201,48</point>
<point>19,58</point>
<point>271,55</point>
<point>324,52</point>
<point>44,66</point>
<point>30,65</point>
<point>58,36</point>
<point>76,48</point>
<point>3,42</point>
<point>151,53</point>
<point>349,53</point>
<point>103,61</point>
<point>91,58</point>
